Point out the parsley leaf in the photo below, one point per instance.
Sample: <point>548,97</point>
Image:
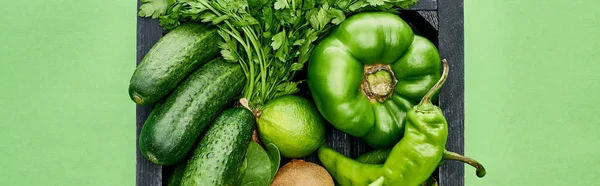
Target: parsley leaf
<point>320,19</point>
<point>287,88</point>
<point>357,5</point>
<point>405,3</point>
<point>375,2</point>
<point>296,66</point>
<point>281,4</point>
<point>154,8</point>
<point>278,40</point>
<point>337,15</point>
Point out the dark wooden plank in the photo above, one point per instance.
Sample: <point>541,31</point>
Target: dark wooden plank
<point>425,26</point>
<point>425,5</point>
<point>340,141</point>
<point>431,17</point>
<point>147,173</point>
<point>358,147</point>
<point>148,33</point>
<point>451,47</point>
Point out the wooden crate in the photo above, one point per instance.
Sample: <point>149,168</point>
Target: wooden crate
<point>441,21</point>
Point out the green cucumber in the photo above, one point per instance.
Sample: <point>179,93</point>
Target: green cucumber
<point>173,127</point>
<point>175,178</point>
<point>221,151</point>
<point>171,59</point>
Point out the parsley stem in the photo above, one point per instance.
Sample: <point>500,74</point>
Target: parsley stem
<point>261,61</point>
<point>250,89</point>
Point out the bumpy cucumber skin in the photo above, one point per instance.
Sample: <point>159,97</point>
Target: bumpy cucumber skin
<point>173,127</point>
<point>175,178</point>
<point>221,151</point>
<point>171,59</point>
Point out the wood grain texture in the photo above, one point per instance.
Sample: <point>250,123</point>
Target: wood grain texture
<point>431,16</point>
<point>148,33</point>
<point>451,47</point>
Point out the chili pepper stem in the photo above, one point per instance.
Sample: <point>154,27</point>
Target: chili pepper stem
<point>427,98</point>
<point>449,155</point>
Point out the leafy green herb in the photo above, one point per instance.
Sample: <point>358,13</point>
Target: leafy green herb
<point>275,157</point>
<point>257,170</point>
<point>281,4</point>
<point>337,15</point>
<point>271,39</point>
<point>154,8</point>
<point>278,40</point>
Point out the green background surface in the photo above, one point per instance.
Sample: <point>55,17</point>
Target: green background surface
<point>532,88</point>
<point>531,103</point>
<point>65,115</point>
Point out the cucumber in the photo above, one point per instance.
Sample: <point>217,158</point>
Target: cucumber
<point>172,127</point>
<point>221,151</point>
<point>175,178</point>
<point>171,59</point>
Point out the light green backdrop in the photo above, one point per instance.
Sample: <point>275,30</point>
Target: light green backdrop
<point>65,118</point>
<point>532,87</point>
<point>533,91</point>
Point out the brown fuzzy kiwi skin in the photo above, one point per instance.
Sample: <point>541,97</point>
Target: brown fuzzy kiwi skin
<point>302,173</point>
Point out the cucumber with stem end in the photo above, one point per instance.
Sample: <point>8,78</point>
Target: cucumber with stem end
<point>171,59</point>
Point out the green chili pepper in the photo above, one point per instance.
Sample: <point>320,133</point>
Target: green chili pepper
<point>412,160</point>
<point>376,156</point>
<point>368,72</point>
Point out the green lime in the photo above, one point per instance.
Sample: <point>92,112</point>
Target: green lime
<point>293,124</point>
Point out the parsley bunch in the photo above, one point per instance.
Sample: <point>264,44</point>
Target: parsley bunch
<point>271,39</point>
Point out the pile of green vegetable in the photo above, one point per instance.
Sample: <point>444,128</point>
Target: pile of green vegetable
<point>223,80</point>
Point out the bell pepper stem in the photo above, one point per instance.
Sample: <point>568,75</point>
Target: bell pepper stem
<point>379,82</point>
<point>449,155</point>
<point>427,98</point>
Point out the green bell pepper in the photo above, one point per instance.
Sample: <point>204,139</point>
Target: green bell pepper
<point>368,72</point>
<point>412,160</point>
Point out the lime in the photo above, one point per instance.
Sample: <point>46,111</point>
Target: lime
<point>293,124</point>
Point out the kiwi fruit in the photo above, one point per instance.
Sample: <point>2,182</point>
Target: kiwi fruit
<point>302,173</point>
